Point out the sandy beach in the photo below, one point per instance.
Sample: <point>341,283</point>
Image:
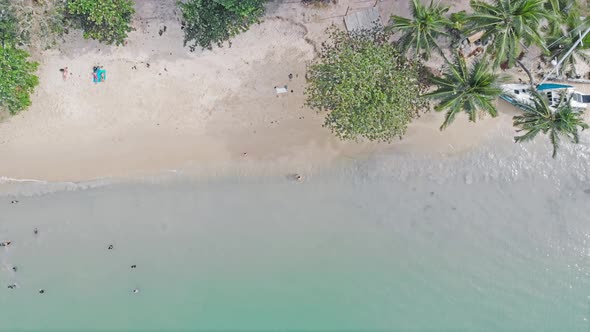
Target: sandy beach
<point>116,220</point>
<point>165,108</point>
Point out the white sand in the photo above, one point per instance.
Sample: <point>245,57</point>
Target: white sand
<point>195,110</point>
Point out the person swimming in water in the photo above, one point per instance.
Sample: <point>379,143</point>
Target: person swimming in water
<point>135,291</point>
<point>5,243</point>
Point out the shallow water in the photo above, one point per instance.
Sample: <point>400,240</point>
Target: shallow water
<point>493,240</point>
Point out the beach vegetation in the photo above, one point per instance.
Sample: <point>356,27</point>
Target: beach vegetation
<point>421,32</point>
<point>366,87</point>
<point>17,79</point>
<point>34,24</point>
<point>108,21</point>
<point>540,118</point>
<point>563,39</point>
<point>472,89</point>
<point>9,29</point>
<point>513,25</point>
<point>212,22</point>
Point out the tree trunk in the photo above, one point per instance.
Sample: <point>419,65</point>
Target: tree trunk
<point>528,72</point>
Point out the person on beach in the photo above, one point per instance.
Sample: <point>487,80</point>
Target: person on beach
<point>5,243</point>
<point>298,177</point>
<point>64,72</point>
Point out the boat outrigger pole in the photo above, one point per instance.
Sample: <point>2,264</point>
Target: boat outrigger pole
<point>566,55</point>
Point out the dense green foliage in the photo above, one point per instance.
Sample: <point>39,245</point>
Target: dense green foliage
<point>368,89</point>
<point>472,89</point>
<point>9,32</point>
<point>212,22</point>
<point>107,21</point>
<point>420,33</point>
<point>17,79</point>
<point>539,117</point>
<point>512,24</point>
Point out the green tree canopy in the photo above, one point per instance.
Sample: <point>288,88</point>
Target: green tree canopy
<point>17,79</point>
<point>368,89</point>
<point>472,89</point>
<point>108,21</point>
<point>420,33</point>
<point>540,117</point>
<point>512,24</point>
<point>212,22</point>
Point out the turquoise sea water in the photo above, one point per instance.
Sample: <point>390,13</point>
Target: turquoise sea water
<point>470,243</point>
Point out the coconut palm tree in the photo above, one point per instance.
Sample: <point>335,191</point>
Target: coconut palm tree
<point>472,89</point>
<point>560,41</point>
<point>561,11</point>
<point>558,122</point>
<point>513,25</point>
<point>420,33</point>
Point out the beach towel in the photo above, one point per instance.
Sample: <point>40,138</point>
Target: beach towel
<point>99,74</point>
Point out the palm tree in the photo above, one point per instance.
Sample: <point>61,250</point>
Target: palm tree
<point>513,24</point>
<point>420,33</point>
<point>472,89</point>
<point>540,117</point>
<point>561,11</point>
<point>560,41</point>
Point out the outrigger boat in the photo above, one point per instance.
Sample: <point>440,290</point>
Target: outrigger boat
<point>518,94</point>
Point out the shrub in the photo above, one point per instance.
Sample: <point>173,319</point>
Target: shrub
<point>212,22</point>
<point>17,79</point>
<point>107,21</point>
<point>367,88</point>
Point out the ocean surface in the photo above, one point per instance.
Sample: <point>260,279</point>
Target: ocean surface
<point>495,239</point>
